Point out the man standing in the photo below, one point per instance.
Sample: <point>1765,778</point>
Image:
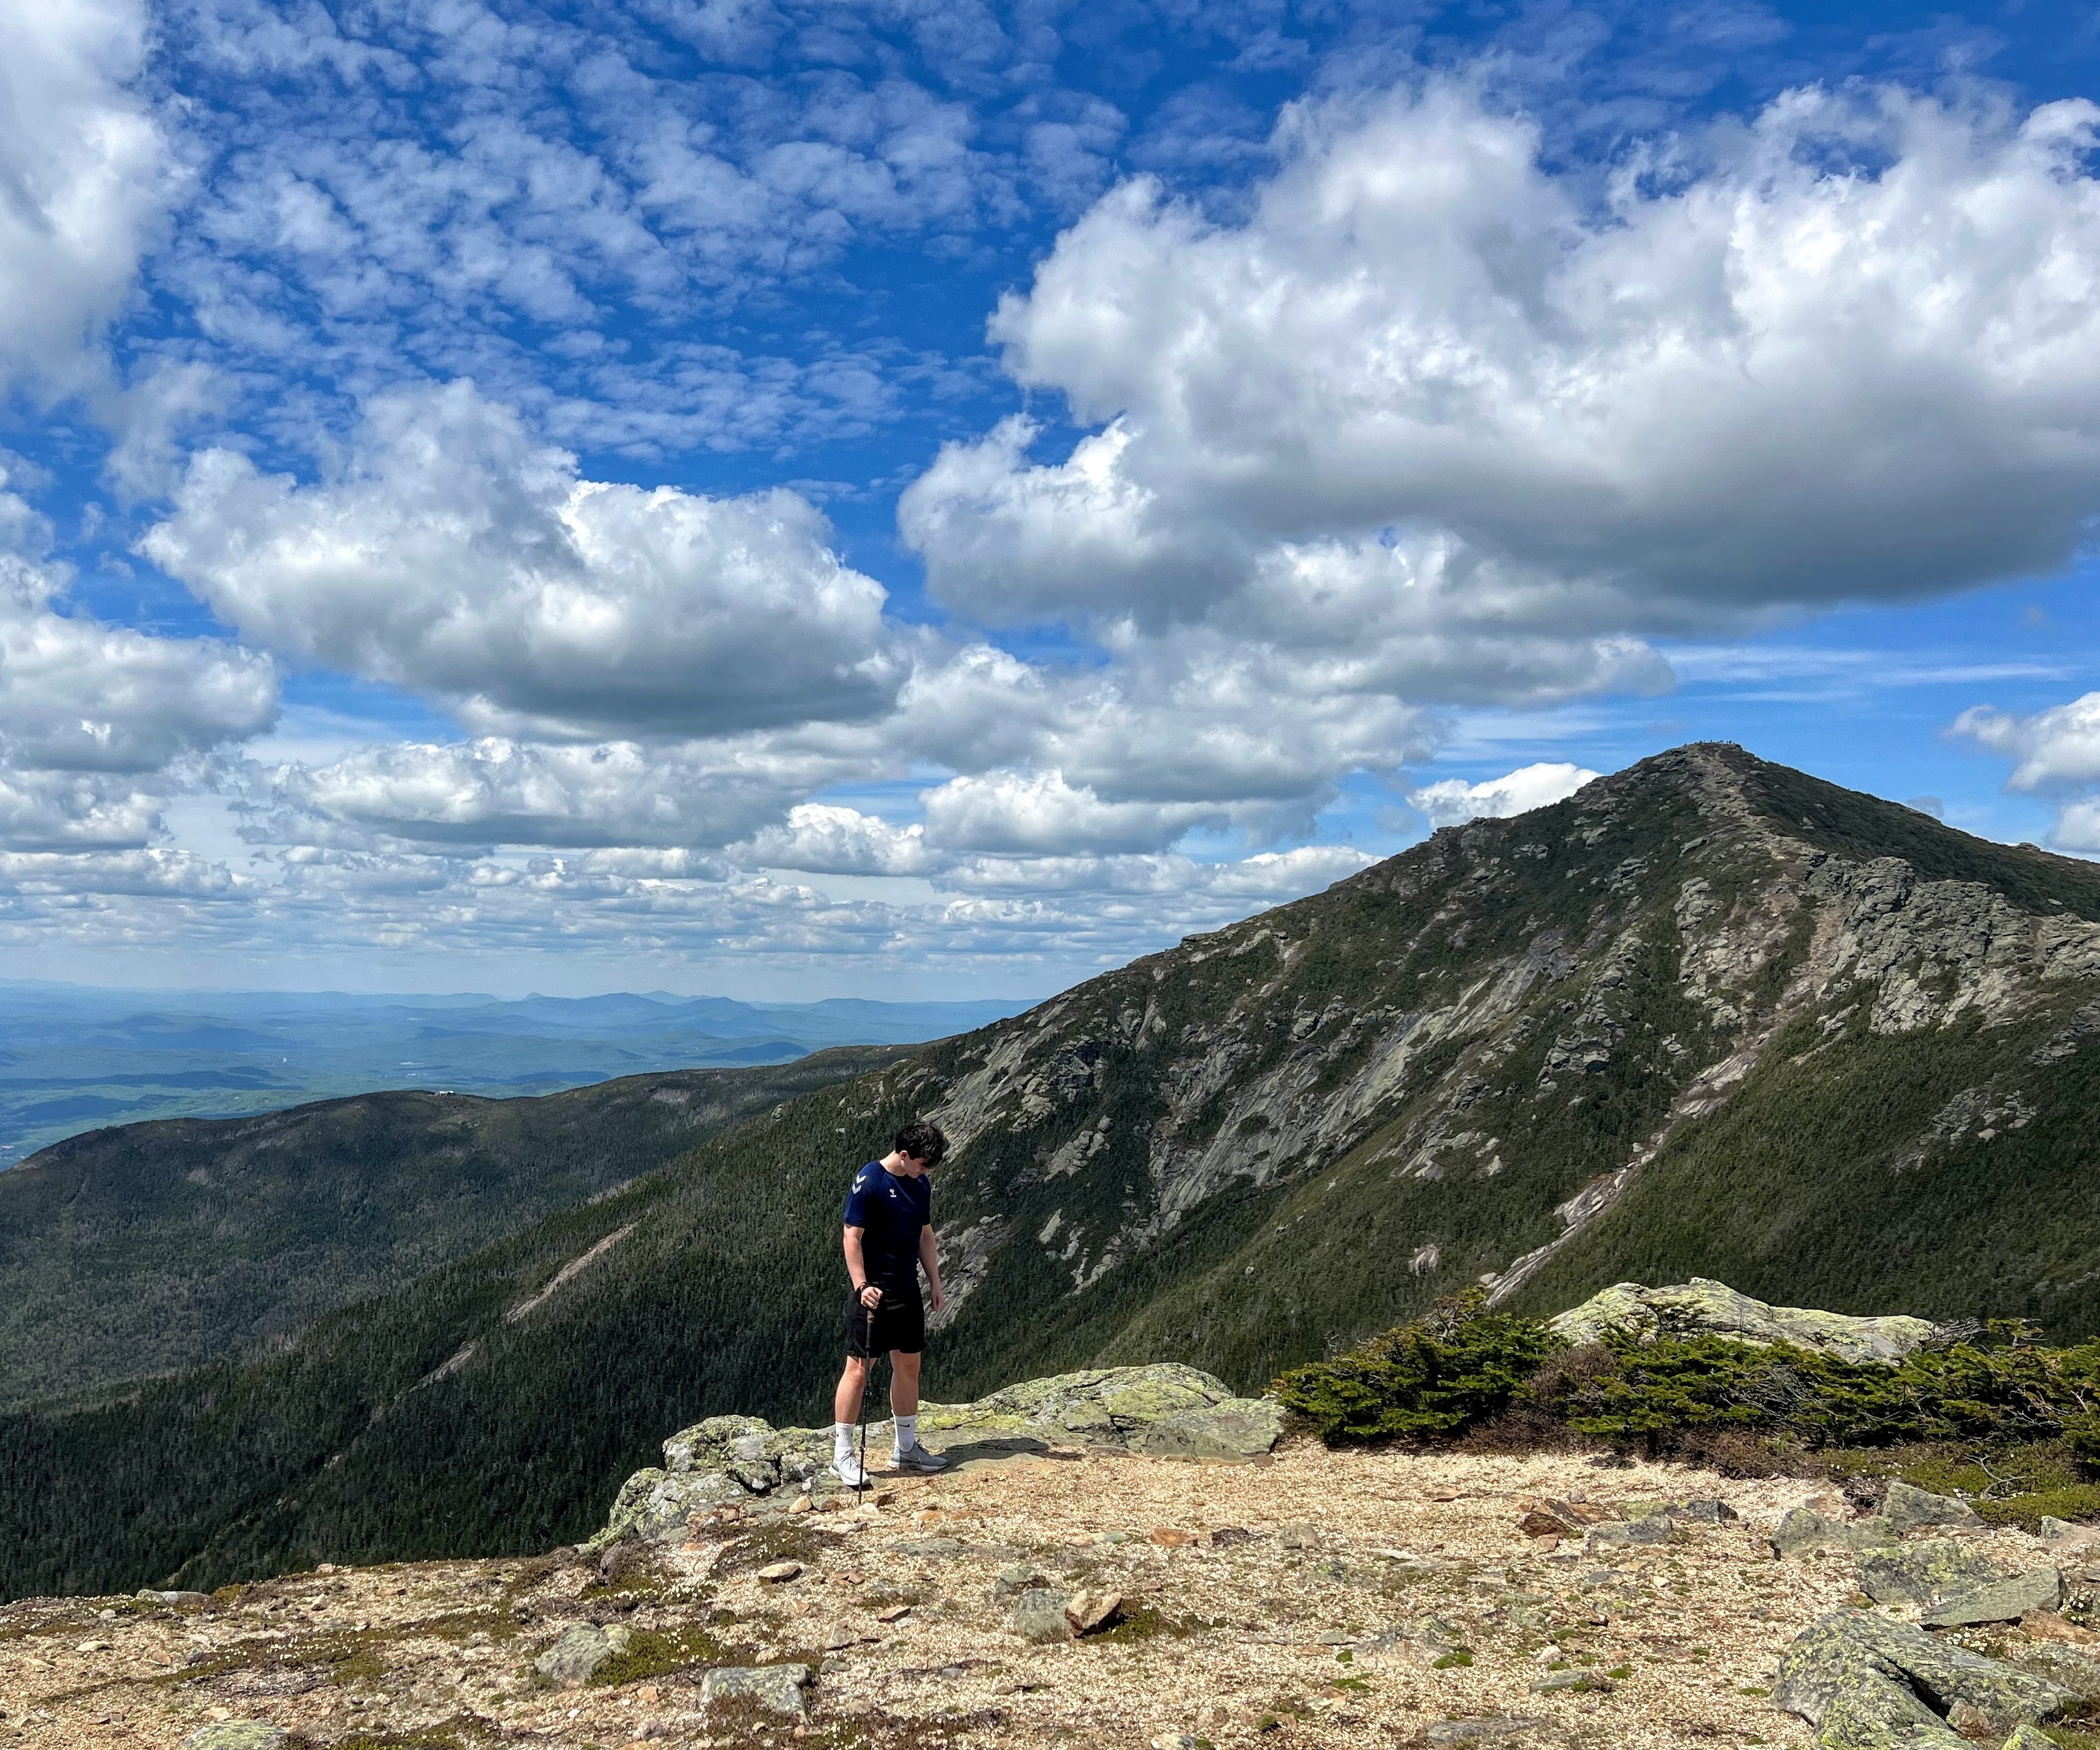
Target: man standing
<point>888,1235</point>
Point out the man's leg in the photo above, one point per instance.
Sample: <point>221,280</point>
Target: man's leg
<point>852,1393</point>
<point>904,1382</point>
<point>853,1386</point>
<point>906,1452</point>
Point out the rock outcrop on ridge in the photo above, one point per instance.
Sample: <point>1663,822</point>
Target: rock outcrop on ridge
<point>1163,1411</point>
<point>1705,1307</point>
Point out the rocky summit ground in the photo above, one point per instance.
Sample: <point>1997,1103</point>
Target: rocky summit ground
<point>1353,1597</point>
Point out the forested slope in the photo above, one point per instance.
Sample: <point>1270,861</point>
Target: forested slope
<point>151,1247</point>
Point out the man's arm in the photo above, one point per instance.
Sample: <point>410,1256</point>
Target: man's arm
<point>929,1255</point>
<point>857,1269</point>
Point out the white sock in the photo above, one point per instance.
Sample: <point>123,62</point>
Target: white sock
<point>907,1433</point>
<point>842,1440</point>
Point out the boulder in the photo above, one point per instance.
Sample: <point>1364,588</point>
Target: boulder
<point>1703,1307</point>
<point>1039,1615</point>
<point>2075,1671</point>
<point>1167,1411</point>
<point>578,1653</point>
<point>1088,1612</point>
<point>1012,1581</point>
<point>777,1688</point>
<point>1162,1411</point>
<point>1881,1715</point>
<point>1923,1572</point>
<point>1905,1509</point>
<point>655,1504</point>
<point>237,1735</point>
<point>2007,1600</point>
<point>1866,1683</point>
<point>1804,1529</point>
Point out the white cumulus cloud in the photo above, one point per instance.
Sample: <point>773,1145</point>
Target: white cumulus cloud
<point>823,839</point>
<point>1878,310</point>
<point>2054,749</point>
<point>94,717</point>
<point>495,791</point>
<point>2055,752</point>
<point>454,555</point>
<point>86,175</point>
<point>1039,813</point>
<point>1451,801</point>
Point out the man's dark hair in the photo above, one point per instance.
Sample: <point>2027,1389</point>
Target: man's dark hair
<point>922,1141</point>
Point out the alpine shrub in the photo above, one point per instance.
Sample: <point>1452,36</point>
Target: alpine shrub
<point>1461,1364</point>
<point>1452,1367</point>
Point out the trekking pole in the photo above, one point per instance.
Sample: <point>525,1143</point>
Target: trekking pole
<point>867,1344</point>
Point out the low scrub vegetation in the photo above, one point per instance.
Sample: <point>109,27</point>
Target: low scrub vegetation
<point>1999,1416</point>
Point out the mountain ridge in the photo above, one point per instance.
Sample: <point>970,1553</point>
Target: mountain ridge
<point>1587,1037</point>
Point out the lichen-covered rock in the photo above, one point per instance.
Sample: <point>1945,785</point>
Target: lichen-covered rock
<point>2006,1600</point>
<point>1888,1683</point>
<point>654,1504</point>
<point>1039,1615</point>
<point>1805,1529</point>
<point>1167,1411</point>
<point>777,1688</point>
<point>1923,1572</point>
<point>570,1660</point>
<point>1882,1714</point>
<point>1702,1306</point>
<point>1905,1509</point>
<point>237,1735</point>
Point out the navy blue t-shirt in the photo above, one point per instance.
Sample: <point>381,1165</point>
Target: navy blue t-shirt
<point>890,1210</point>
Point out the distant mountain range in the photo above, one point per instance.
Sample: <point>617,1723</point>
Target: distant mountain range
<point>74,1057</point>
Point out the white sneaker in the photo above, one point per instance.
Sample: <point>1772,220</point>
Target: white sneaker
<point>848,1471</point>
<point>917,1457</point>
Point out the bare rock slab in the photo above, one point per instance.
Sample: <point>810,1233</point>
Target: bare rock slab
<point>1495,1729</point>
<point>1905,1509</point>
<point>1805,1529</point>
<point>2007,1600</point>
<point>1165,1410</point>
<point>1702,1306</point>
<point>1866,1683</point>
<point>1924,1572</point>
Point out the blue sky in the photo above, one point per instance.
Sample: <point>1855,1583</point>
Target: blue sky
<point>935,499</point>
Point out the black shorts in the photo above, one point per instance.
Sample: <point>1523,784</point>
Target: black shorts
<point>899,1323</point>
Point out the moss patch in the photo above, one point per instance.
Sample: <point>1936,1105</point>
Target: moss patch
<point>2082,1501</point>
<point>790,1541</point>
<point>652,1655</point>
